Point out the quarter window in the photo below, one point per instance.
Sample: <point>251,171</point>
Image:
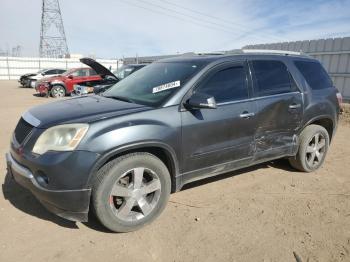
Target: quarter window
<point>272,78</point>
<point>314,74</point>
<point>226,85</point>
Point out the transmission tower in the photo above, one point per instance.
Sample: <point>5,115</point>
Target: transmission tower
<point>52,37</point>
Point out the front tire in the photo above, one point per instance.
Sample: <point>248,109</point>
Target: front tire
<point>58,91</point>
<point>130,191</point>
<point>313,147</point>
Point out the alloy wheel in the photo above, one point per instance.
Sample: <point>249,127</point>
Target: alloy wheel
<point>57,92</point>
<point>315,151</point>
<point>135,194</point>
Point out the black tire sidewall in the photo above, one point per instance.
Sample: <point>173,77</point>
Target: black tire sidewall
<point>101,197</point>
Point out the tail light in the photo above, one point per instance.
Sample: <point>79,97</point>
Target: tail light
<point>340,101</point>
<point>340,98</point>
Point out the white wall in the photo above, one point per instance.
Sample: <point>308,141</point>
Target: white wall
<point>14,67</point>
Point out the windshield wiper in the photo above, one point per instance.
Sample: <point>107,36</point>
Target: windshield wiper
<point>121,98</point>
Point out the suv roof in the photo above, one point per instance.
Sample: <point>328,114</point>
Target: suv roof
<point>245,53</point>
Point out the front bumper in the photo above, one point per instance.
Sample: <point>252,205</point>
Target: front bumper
<point>70,204</point>
<point>41,89</point>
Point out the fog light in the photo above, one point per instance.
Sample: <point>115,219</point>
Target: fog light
<point>42,179</point>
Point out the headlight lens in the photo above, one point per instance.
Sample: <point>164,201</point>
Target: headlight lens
<point>60,138</point>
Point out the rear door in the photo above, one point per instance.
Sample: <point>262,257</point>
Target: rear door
<point>211,137</point>
<point>279,108</point>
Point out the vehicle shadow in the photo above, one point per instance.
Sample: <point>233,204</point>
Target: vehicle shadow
<point>23,200</point>
<point>279,164</point>
<point>39,95</point>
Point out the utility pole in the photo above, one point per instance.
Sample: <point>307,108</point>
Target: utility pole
<point>53,41</point>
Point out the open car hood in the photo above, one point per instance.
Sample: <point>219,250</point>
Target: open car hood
<point>99,69</point>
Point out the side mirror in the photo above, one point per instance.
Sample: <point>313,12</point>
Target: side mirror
<point>199,100</point>
<point>70,77</point>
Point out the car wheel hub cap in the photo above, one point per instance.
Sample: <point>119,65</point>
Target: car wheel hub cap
<point>315,150</point>
<point>135,194</point>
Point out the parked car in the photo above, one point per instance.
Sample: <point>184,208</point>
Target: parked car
<point>107,79</point>
<point>175,121</point>
<point>31,80</point>
<point>23,78</point>
<point>62,85</point>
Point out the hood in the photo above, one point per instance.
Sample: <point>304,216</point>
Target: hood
<point>99,69</point>
<point>82,109</point>
<point>29,74</point>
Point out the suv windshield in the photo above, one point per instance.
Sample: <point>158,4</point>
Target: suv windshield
<point>155,83</point>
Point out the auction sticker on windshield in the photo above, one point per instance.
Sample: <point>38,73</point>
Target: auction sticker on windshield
<point>166,86</point>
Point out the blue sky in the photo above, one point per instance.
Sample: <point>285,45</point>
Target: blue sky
<point>117,28</point>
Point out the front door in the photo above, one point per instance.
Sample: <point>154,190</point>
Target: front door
<point>216,137</point>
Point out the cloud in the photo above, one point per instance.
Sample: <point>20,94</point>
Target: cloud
<point>116,28</point>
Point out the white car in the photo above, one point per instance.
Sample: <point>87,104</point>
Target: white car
<point>31,81</point>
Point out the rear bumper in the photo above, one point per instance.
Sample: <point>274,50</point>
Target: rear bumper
<point>69,204</point>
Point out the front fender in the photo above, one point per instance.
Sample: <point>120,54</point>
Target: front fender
<point>134,147</point>
<point>58,82</point>
<point>158,128</point>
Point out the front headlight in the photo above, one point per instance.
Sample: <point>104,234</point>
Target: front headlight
<point>60,138</point>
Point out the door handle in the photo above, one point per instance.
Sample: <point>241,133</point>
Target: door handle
<point>245,114</point>
<point>294,106</point>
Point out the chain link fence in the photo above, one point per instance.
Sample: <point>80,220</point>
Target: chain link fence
<point>11,68</point>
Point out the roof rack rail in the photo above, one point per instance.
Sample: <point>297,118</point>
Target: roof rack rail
<point>212,53</point>
<point>268,51</point>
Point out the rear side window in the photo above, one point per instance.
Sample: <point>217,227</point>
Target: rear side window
<point>314,74</point>
<point>229,84</point>
<point>272,78</point>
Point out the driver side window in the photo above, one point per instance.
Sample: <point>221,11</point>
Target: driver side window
<point>226,85</point>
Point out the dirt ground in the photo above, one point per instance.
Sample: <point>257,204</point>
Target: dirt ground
<point>263,213</point>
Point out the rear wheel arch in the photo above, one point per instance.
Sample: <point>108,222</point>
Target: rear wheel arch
<point>163,152</point>
<point>324,121</point>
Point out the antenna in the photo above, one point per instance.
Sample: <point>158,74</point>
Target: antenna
<point>52,37</point>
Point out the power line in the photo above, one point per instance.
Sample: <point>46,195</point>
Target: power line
<point>176,17</point>
<point>186,15</point>
<point>231,23</point>
<point>200,13</point>
<point>191,19</point>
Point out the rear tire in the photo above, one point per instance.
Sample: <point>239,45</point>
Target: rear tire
<point>130,191</point>
<point>313,147</point>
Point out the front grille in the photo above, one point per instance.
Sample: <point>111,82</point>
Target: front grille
<point>22,130</point>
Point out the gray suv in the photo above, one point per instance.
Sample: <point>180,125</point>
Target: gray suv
<point>168,124</point>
